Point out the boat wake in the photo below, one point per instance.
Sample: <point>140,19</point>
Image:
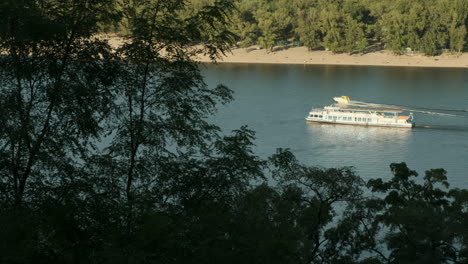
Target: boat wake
<point>449,128</point>
<point>452,112</point>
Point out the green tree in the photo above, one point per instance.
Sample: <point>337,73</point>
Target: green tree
<point>284,13</point>
<point>268,27</point>
<point>413,223</point>
<point>456,22</point>
<point>245,27</point>
<point>343,33</point>
<point>56,84</point>
<point>266,227</point>
<point>332,25</point>
<point>308,28</point>
<point>424,26</point>
<point>320,192</point>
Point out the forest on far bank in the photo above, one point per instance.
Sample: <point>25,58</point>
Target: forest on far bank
<point>356,26</point>
<point>426,26</point>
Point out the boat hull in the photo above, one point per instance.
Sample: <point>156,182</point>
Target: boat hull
<point>401,125</point>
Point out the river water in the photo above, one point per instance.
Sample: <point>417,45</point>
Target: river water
<point>273,100</point>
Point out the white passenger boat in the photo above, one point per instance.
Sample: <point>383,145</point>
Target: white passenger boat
<point>358,116</point>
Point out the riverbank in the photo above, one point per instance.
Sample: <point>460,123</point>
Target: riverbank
<point>300,55</point>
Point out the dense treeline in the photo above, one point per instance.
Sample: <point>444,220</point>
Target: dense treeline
<point>106,156</point>
<point>426,26</point>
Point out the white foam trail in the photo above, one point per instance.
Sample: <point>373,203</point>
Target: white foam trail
<point>452,128</point>
<point>395,107</point>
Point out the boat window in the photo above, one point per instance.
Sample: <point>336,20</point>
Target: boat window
<point>329,117</point>
<point>320,116</point>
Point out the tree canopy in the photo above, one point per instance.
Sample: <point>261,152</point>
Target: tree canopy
<point>425,26</point>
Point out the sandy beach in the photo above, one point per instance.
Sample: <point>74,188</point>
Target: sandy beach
<point>301,55</point>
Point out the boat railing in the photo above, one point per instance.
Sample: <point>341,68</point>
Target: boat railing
<point>317,110</point>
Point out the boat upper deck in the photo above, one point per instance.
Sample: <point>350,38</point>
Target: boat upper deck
<point>393,111</point>
<point>356,110</point>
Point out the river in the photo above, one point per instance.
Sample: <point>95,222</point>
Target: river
<point>273,100</point>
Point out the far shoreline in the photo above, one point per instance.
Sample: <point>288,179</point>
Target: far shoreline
<point>302,56</point>
<point>331,64</point>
